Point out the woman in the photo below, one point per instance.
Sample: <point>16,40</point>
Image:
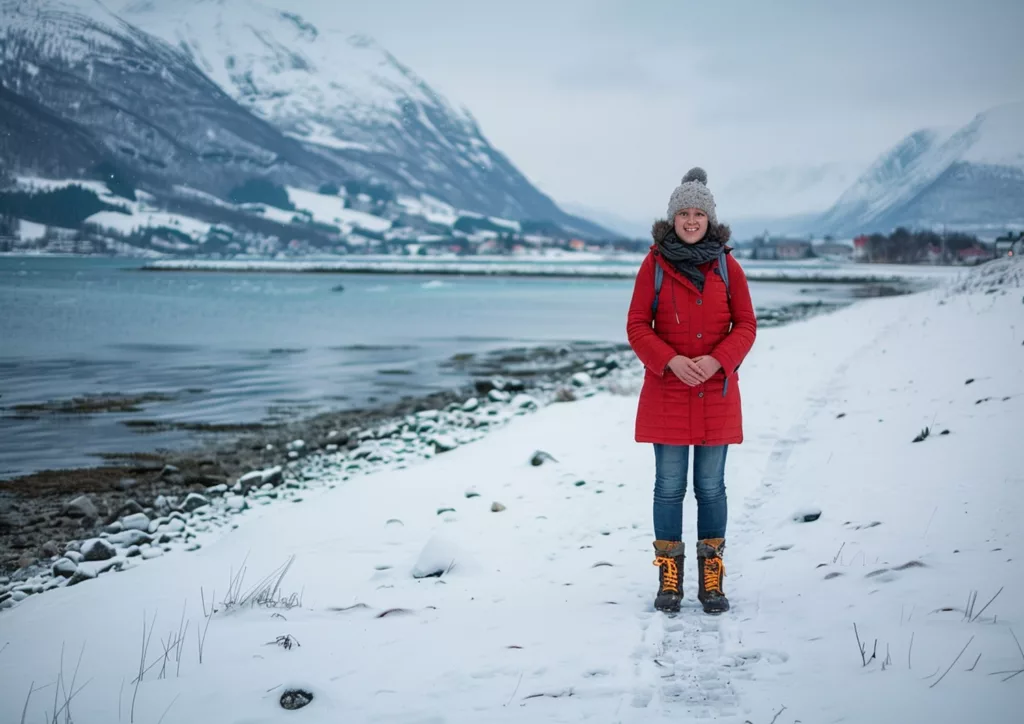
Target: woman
<point>691,336</point>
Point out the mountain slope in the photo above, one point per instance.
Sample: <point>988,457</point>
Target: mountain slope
<point>787,191</point>
<point>80,87</point>
<point>348,100</point>
<point>972,178</point>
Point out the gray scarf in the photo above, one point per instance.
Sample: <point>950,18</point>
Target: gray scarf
<point>687,257</point>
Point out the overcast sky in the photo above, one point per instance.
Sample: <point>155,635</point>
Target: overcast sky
<point>608,103</point>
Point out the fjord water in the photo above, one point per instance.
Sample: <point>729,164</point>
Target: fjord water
<point>230,348</point>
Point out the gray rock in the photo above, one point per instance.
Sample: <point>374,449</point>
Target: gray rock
<point>540,457</point>
<point>131,507</point>
<point>82,574</point>
<point>236,503</point>
<point>65,568</point>
<point>126,483</point>
<point>581,379</point>
<point>194,501</point>
<point>133,552</point>
<point>174,525</point>
<point>274,475</point>
<point>49,549</point>
<point>807,515</point>
<point>136,521</point>
<point>471,405</point>
<point>97,549</point>
<point>497,507</point>
<point>82,507</point>
<point>128,538</point>
<point>524,402</point>
<point>498,396</point>
<point>161,505</point>
<point>218,489</point>
<point>114,527</point>
<point>73,556</point>
<point>444,443</point>
<point>168,471</point>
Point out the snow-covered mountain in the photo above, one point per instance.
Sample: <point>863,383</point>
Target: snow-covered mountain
<point>80,88</point>
<point>348,99</point>
<point>211,93</point>
<point>787,191</point>
<point>970,178</point>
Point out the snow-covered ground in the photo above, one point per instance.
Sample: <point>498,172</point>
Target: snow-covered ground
<point>330,209</point>
<point>542,611</point>
<point>143,215</point>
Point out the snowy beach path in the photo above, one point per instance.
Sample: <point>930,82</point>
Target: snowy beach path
<point>543,610</point>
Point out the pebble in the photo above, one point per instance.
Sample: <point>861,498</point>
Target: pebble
<point>136,521</point>
<point>97,549</point>
<point>497,507</point>
<point>498,396</point>
<point>65,568</point>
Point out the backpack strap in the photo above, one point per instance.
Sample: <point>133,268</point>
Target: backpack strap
<point>723,271</point>
<point>659,277</point>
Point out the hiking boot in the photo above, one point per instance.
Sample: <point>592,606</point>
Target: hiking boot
<point>668,556</point>
<point>711,571</point>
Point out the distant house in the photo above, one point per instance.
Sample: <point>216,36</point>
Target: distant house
<point>974,255</point>
<point>781,249</point>
<point>1010,244</point>
<point>860,248</point>
<point>933,254</point>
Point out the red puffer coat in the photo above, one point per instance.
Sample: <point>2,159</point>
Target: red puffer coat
<point>691,324</point>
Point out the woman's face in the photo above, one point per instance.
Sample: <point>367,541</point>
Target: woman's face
<point>691,225</point>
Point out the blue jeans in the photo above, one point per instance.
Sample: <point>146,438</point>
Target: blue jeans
<point>671,462</point>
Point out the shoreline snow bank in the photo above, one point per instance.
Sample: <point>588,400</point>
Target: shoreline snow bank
<point>544,610</point>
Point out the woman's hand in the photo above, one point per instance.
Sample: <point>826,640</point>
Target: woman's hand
<point>707,366</point>
<point>686,370</point>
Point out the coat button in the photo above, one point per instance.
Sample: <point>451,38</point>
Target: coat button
<point>703,442</point>
<point>699,335</point>
<point>700,302</point>
<point>700,394</point>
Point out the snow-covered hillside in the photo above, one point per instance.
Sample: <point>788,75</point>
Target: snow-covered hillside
<point>83,89</point>
<point>350,100</point>
<point>238,91</point>
<point>970,178</point>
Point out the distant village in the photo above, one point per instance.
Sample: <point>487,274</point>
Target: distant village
<point>261,220</point>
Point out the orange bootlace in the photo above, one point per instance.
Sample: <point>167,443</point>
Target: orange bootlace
<point>669,573</point>
<point>714,569</point>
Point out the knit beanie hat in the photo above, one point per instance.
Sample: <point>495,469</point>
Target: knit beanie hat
<point>693,193</point>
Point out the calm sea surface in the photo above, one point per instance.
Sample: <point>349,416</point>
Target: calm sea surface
<point>249,347</point>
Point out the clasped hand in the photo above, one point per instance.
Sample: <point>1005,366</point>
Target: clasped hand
<point>694,371</point>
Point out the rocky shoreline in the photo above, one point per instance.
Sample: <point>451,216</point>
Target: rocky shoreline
<point>62,527</point>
